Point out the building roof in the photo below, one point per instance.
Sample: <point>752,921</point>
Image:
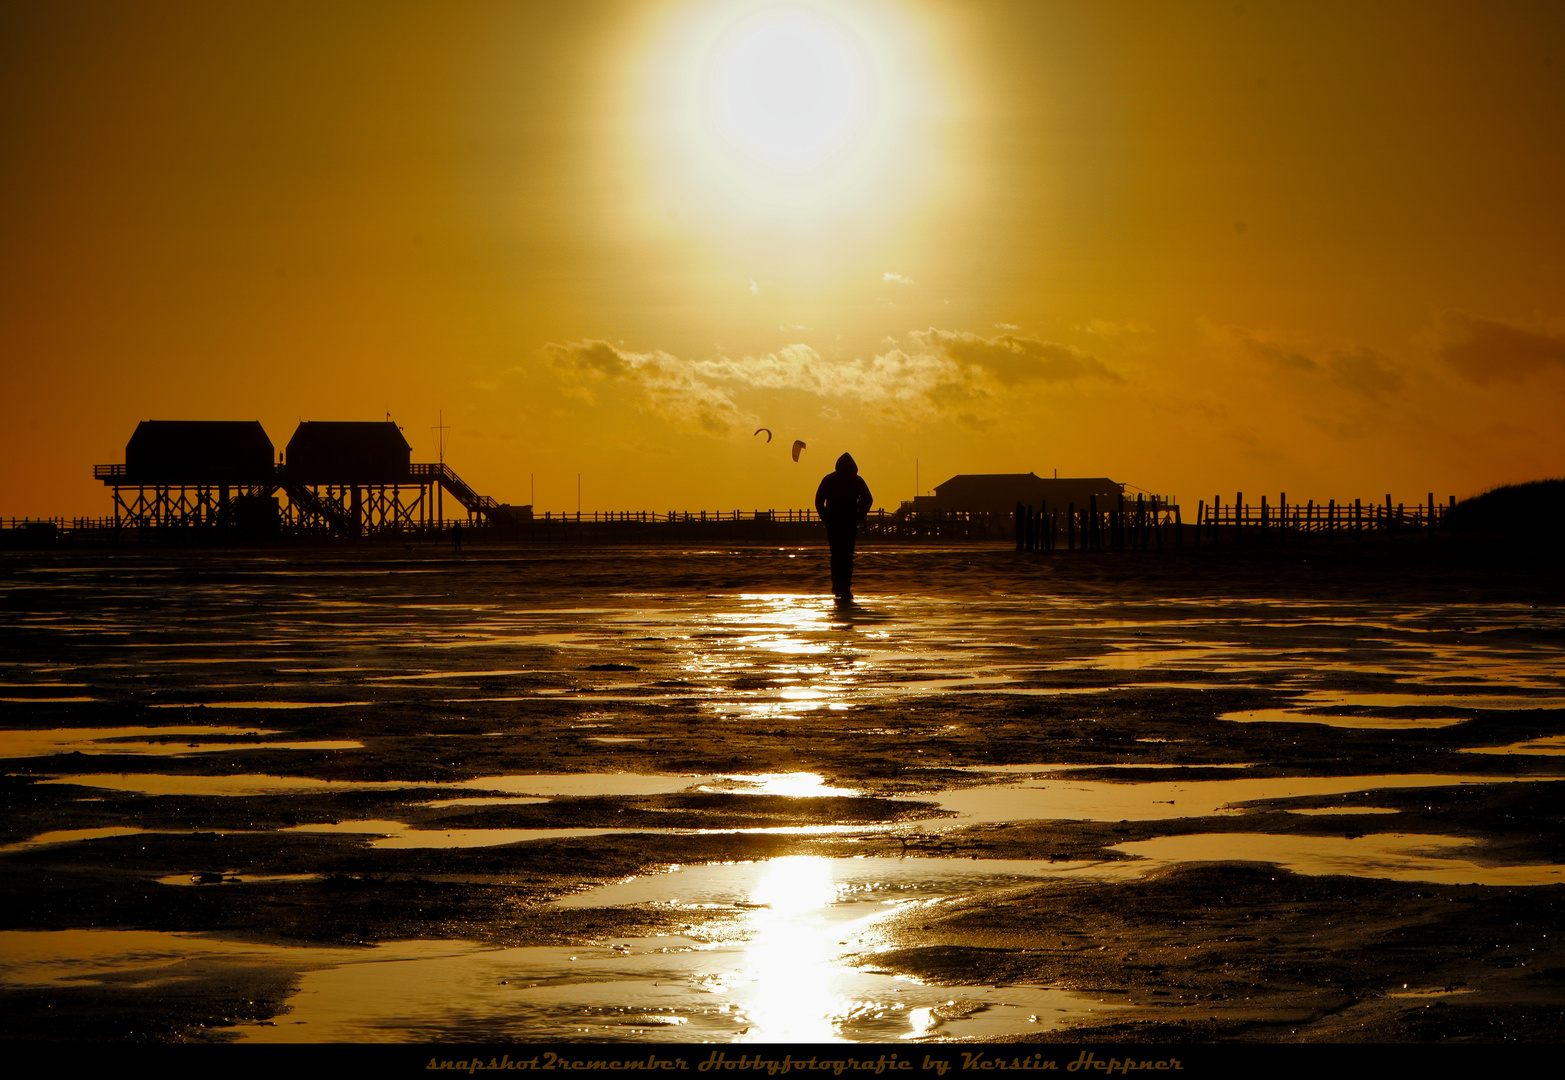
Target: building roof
<point>348,452</point>
<point>199,452</point>
<point>1002,491</point>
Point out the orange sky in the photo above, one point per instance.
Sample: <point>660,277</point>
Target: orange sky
<point>1197,247</point>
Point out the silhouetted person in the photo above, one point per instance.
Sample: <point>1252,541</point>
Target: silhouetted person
<point>842,501</point>
<point>456,537</point>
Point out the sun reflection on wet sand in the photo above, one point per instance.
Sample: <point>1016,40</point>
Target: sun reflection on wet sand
<point>774,970</point>
<point>789,997</point>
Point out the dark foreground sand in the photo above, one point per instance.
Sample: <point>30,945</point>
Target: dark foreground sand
<point>1200,950</point>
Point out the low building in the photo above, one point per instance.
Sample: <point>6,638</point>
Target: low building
<point>348,453</point>
<point>192,452</point>
<point>1000,492</point>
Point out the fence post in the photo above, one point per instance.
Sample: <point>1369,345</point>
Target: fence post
<point>1238,518</point>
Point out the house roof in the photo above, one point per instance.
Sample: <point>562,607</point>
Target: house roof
<point>347,452</point>
<point>199,452</point>
<point>1002,491</point>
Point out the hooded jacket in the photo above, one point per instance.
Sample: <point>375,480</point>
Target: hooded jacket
<point>843,497</point>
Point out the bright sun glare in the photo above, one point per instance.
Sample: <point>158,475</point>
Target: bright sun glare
<point>788,89</point>
<point>789,107</point>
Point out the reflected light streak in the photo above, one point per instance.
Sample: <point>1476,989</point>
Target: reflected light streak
<point>790,998</point>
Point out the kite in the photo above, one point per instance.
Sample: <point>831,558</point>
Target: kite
<point>765,429</point>
<point>798,444</point>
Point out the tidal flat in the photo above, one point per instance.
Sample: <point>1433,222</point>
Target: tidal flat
<point>383,793</point>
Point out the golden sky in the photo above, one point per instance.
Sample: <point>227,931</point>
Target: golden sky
<point>1196,247</point>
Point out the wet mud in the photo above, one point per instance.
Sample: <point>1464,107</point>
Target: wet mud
<point>1303,795</point>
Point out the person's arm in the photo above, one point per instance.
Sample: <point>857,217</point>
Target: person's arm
<point>866,500</point>
<point>820,496</point>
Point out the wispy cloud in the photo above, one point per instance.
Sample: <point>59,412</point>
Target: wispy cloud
<point>1488,350</point>
<point>670,386</point>
<point>930,373</point>
<point>897,278</point>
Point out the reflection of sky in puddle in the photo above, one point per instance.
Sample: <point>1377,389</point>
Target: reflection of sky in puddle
<point>1316,810</point>
<point>1318,698</point>
<point>149,740</point>
<point>451,675</point>
<point>1084,800</point>
<point>776,974</point>
<point>1290,716</point>
<point>557,785</point>
<point>70,836</point>
<point>204,879</point>
<point>1397,856</point>
<point>254,704</point>
<point>397,835</point>
<point>1547,745</point>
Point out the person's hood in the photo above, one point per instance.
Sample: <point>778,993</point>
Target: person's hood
<point>846,464</point>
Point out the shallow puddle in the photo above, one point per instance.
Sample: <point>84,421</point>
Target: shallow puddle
<point>70,836</point>
<point>209,878</point>
<point>256,704</point>
<point>1292,716</point>
<point>157,741</point>
<point>776,973</point>
<point>545,785</point>
<point>1066,799</point>
<point>1547,745</point>
<point>1393,856</point>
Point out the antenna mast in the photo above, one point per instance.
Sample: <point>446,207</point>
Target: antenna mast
<point>440,430</point>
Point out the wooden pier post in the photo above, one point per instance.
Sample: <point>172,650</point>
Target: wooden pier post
<point>1238,519</point>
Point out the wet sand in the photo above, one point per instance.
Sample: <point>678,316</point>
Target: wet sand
<point>1286,795</point>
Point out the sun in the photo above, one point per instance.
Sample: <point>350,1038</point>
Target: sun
<point>790,109</point>
<point>788,89</point>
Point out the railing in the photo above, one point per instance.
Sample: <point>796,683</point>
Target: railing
<point>1126,526</point>
<point>447,477</point>
<point>1239,522</point>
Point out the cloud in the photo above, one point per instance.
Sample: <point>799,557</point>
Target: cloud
<point>755,290</point>
<point>1272,353</point>
<point>937,373</point>
<point>670,386</point>
<point>1354,368</point>
<point>1109,328</point>
<point>898,278</point>
<point>1364,371</point>
<point>1012,360</point>
<point>1487,350</point>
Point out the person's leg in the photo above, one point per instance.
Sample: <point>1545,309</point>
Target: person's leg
<point>842,540</point>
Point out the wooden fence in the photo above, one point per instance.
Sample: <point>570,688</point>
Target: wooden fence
<point>1145,525</point>
<point>1126,525</point>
